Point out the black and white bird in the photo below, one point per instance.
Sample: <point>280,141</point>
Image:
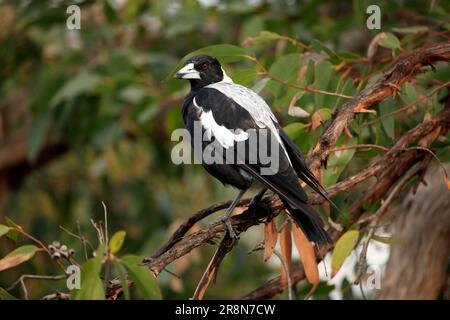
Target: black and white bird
<point>226,111</point>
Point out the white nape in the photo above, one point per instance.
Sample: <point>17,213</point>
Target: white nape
<point>226,78</point>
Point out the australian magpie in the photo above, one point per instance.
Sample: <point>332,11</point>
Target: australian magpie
<point>226,112</point>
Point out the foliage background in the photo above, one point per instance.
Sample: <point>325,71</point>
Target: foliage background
<point>96,110</point>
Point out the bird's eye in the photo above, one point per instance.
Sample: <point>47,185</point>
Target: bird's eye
<point>205,66</point>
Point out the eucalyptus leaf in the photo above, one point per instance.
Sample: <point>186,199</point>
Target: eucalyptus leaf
<point>91,285</point>
<point>142,277</point>
<point>18,256</point>
<point>322,77</point>
<point>116,241</point>
<point>389,41</point>
<point>337,161</point>
<point>344,246</point>
<point>3,229</point>
<point>85,81</point>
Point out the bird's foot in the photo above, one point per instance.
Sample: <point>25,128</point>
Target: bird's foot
<point>227,221</point>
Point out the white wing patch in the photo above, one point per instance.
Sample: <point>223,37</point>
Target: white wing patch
<point>254,104</point>
<point>223,135</point>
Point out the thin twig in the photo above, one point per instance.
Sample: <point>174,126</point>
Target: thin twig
<point>359,146</point>
<point>100,235</point>
<point>84,240</point>
<point>57,296</point>
<point>288,275</point>
<point>265,72</point>
<point>105,213</point>
<point>24,277</point>
<point>80,237</point>
<point>434,156</point>
<point>213,267</point>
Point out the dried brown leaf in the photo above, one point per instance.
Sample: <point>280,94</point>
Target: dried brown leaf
<point>308,257</point>
<point>316,120</point>
<point>270,239</point>
<point>361,108</point>
<point>286,252</point>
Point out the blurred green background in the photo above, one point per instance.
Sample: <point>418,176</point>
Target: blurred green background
<point>86,115</point>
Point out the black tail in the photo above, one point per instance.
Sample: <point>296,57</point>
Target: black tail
<point>295,201</point>
<point>302,169</point>
<point>309,221</point>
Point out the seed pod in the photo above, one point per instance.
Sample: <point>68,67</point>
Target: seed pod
<point>56,255</point>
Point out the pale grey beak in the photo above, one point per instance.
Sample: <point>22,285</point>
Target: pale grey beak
<point>188,72</point>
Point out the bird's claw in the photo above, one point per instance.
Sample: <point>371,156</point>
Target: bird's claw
<point>227,221</point>
<point>231,232</point>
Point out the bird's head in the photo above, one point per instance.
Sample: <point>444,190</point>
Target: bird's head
<point>202,70</point>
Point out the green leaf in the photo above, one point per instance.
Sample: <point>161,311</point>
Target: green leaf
<point>12,234</point>
<point>325,114</point>
<point>245,76</point>
<point>309,77</point>
<point>4,295</point>
<point>322,78</point>
<point>388,122</point>
<point>294,129</point>
<point>91,289</point>
<point>337,161</point>
<point>123,279</point>
<point>85,81</point>
<point>285,68</point>
<point>116,241</point>
<point>91,284</point>
<point>18,256</point>
<point>251,27</point>
<point>320,46</point>
<point>349,55</point>
<point>343,248</point>
<point>36,135</point>
<point>3,229</point>
<point>409,93</point>
<point>348,89</point>
<point>142,276</point>
<point>225,53</point>
<point>389,41</point>
<point>266,36</point>
<point>415,29</point>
